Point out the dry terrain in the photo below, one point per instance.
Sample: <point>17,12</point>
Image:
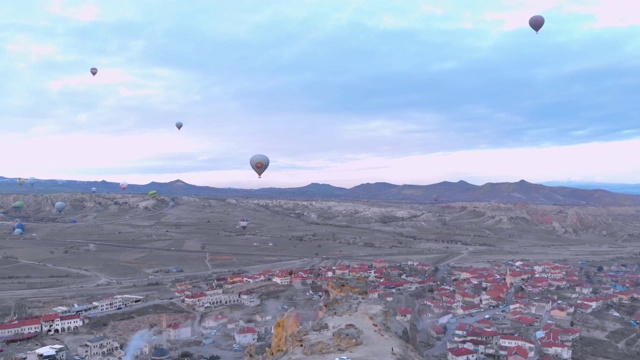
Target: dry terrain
<point>125,244</point>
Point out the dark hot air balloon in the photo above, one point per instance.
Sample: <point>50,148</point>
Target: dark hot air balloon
<point>536,22</point>
<point>179,125</point>
<point>94,71</point>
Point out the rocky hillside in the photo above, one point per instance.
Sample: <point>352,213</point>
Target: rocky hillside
<point>444,192</point>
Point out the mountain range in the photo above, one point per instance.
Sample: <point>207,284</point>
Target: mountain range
<point>461,191</point>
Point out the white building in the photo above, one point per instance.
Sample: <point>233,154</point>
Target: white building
<point>108,304</point>
<point>99,347</point>
<point>178,331</point>
<point>282,279</point>
<point>246,335</point>
<point>51,352</point>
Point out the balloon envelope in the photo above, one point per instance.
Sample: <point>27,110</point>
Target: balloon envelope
<point>153,194</point>
<point>21,181</point>
<point>259,163</point>
<point>123,185</point>
<point>18,205</point>
<point>17,232</point>
<point>93,190</point>
<point>94,71</point>
<point>31,181</point>
<point>244,222</point>
<point>19,225</point>
<point>536,22</point>
<point>179,125</point>
<point>60,206</point>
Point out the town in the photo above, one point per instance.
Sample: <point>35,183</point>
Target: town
<point>511,310</point>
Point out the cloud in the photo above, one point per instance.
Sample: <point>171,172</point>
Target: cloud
<point>79,10</point>
<point>608,13</point>
<point>24,46</point>
<point>320,87</point>
<point>108,76</point>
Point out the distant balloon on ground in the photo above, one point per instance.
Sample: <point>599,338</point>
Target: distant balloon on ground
<point>94,71</point>
<point>18,225</point>
<point>179,125</point>
<point>18,205</point>
<point>153,194</point>
<point>123,185</point>
<point>259,163</point>
<point>60,206</point>
<point>244,222</point>
<point>536,22</point>
<point>73,221</point>
<point>93,190</point>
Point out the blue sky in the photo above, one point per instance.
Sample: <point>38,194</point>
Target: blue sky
<point>341,92</point>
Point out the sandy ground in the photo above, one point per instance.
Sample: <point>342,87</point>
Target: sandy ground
<point>376,342</point>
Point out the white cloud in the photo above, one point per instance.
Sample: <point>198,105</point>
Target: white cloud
<point>104,76</point>
<point>48,154</point>
<point>32,50</point>
<point>610,162</point>
<point>77,10</point>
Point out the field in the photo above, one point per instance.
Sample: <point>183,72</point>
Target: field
<point>120,241</point>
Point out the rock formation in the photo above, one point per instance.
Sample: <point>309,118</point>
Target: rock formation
<point>283,330</point>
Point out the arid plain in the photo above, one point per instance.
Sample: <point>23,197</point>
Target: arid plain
<point>121,242</point>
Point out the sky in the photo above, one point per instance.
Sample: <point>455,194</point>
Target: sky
<point>341,92</point>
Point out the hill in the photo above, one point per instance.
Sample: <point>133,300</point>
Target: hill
<point>461,191</point>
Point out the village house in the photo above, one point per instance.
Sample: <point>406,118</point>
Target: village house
<point>461,353</point>
<point>178,331</point>
<point>246,335</point>
<point>556,349</point>
<point>98,346</point>
<point>511,341</point>
<point>50,352</point>
<point>214,321</point>
<point>282,278</point>
<point>517,353</point>
<point>404,313</point>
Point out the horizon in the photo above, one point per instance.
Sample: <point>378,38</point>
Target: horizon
<point>341,93</point>
<point>547,183</point>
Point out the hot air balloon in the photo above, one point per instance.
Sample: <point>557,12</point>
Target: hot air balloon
<point>536,22</point>
<point>244,222</point>
<point>17,232</point>
<point>94,71</point>
<point>259,163</point>
<point>18,205</point>
<point>93,190</point>
<point>179,125</point>
<point>21,181</point>
<point>153,194</point>
<point>18,225</point>
<point>60,206</point>
<point>123,185</point>
<point>31,181</point>
<point>436,197</point>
